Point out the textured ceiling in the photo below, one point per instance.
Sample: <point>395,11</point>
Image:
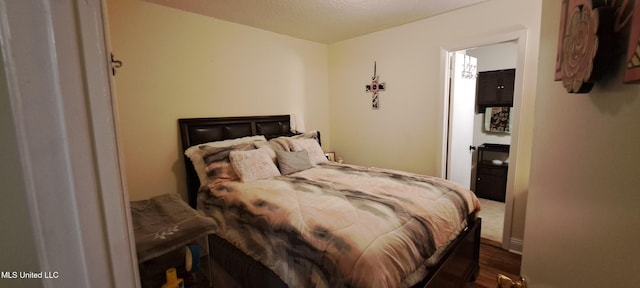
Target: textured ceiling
<point>325,21</point>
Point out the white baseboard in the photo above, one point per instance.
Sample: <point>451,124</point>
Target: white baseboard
<point>515,245</point>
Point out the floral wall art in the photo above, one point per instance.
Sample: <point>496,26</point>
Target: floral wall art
<point>632,74</point>
<point>589,40</point>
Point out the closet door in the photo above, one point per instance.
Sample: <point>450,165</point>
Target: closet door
<point>507,81</point>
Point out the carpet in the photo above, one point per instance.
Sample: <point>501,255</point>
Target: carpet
<point>492,214</point>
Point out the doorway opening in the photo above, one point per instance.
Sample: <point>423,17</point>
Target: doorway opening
<point>502,52</point>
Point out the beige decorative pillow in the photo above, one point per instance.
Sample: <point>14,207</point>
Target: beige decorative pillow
<point>275,144</point>
<point>313,134</point>
<point>283,143</point>
<point>217,164</point>
<point>267,146</point>
<point>253,165</point>
<point>316,155</point>
<point>195,153</point>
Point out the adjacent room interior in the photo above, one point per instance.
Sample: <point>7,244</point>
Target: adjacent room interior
<point>493,59</point>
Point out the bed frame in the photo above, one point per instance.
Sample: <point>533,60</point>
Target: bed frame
<point>194,131</point>
<point>459,264</point>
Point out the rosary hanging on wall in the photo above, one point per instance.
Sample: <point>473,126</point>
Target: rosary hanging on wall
<point>374,88</point>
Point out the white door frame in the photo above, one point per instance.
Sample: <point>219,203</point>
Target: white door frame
<point>519,36</point>
<point>57,68</point>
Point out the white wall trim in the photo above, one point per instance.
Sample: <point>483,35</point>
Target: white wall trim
<point>521,38</point>
<point>58,87</point>
<point>114,196</point>
<point>515,245</point>
<point>445,87</point>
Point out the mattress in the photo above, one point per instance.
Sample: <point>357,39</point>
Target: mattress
<point>338,225</point>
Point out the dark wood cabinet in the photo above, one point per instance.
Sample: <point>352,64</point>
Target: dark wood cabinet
<point>495,88</point>
<point>491,178</point>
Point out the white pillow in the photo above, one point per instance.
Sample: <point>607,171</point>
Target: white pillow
<point>316,155</point>
<point>253,165</point>
<point>195,153</point>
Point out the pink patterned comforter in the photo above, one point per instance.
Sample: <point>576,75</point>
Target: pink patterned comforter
<point>342,225</point>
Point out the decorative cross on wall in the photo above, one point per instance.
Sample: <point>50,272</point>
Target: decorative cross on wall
<point>374,88</point>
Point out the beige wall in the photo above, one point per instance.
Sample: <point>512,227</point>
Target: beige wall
<point>583,203</point>
<point>179,64</point>
<point>406,132</point>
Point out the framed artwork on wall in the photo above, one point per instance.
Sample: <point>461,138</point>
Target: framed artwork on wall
<point>584,38</point>
<point>586,29</point>
<point>563,31</point>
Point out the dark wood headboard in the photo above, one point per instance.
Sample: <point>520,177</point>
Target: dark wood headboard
<point>194,131</point>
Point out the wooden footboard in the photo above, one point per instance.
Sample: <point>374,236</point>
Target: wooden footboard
<point>461,262</point>
<point>244,271</point>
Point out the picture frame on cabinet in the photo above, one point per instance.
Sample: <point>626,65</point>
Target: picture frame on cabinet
<point>331,156</point>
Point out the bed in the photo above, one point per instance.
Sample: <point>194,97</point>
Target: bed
<point>381,239</point>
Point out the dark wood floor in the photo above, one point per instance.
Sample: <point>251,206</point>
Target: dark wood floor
<point>494,261</point>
